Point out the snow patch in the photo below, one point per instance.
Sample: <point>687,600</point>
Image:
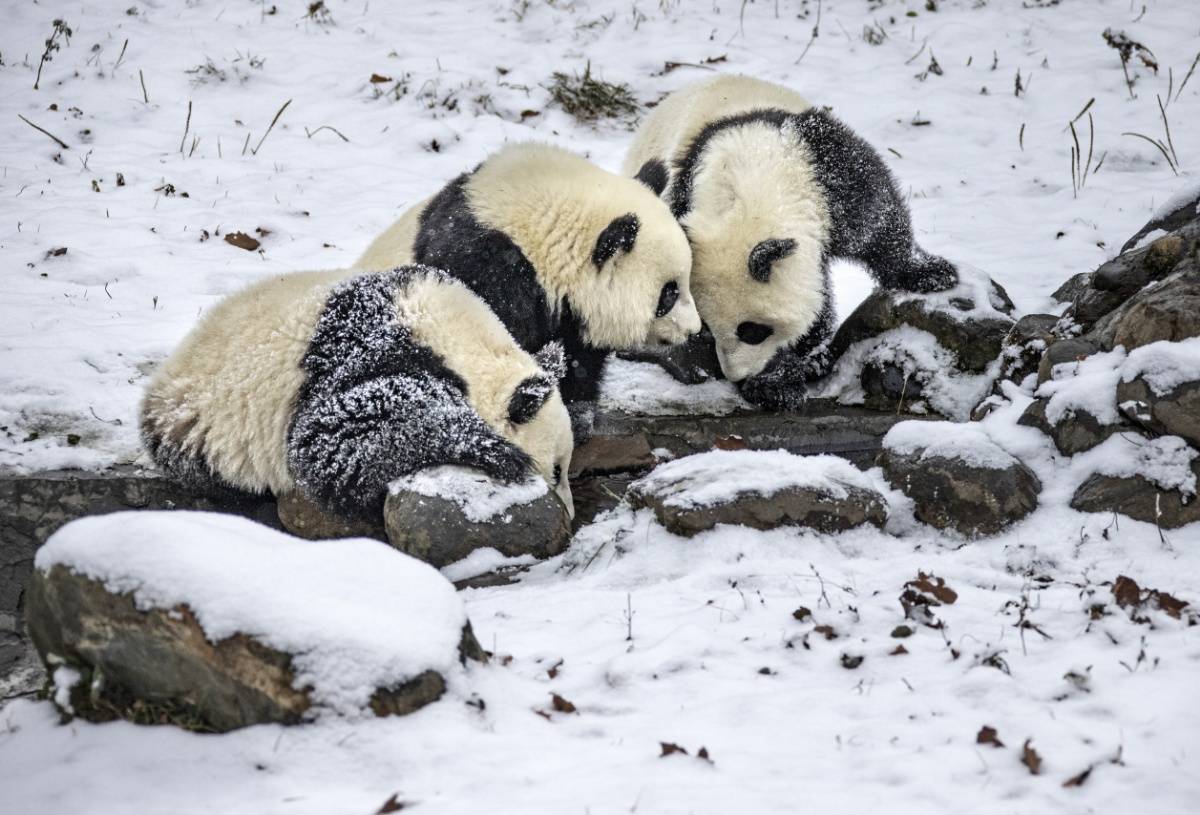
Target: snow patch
<point>482,561</point>
<point>1089,385</point>
<point>962,441</point>
<point>480,498</point>
<point>1164,365</point>
<point>718,476</point>
<point>645,389</point>
<point>355,614</point>
<point>1167,461</point>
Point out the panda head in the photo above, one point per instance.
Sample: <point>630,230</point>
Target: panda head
<point>758,272</point>
<point>637,278</point>
<point>536,421</point>
<point>515,393</point>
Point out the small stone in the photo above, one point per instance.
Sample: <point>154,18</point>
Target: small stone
<point>1075,286</point>
<point>1175,413</point>
<point>1139,498</point>
<point>902,631</point>
<point>304,519</point>
<point>442,529</point>
<point>1076,431</point>
<point>954,493</point>
<point>1069,350</point>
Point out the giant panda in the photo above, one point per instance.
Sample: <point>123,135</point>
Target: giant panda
<point>332,384</point>
<point>769,189</point>
<point>560,249</point>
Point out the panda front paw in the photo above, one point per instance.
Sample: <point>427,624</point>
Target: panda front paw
<point>774,396</point>
<point>932,274</point>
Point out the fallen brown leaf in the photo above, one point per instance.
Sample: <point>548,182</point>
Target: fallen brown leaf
<point>561,705</point>
<point>242,241</point>
<point>1030,758</point>
<point>668,748</point>
<point>1077,780</point>
<point>378,78</point>
<point>898,650</point>
<point>987,735</point>
<point>393,804</point>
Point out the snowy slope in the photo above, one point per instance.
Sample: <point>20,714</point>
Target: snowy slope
<point>709,613</point>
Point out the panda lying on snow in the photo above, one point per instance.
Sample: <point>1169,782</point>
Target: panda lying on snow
<point>769,189</point>
<point>560,249</point>
<point>335,385</point>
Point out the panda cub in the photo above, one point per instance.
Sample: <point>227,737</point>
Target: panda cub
<point>560,249</point>
<point>769,190</point>
<point>334,384</point>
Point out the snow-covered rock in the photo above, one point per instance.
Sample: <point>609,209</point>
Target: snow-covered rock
<point>1160,388</point>
<point>442,514</point>
<point>957,477</point>
<point>1156,484</point>
<point>217,622</point>
<point>759,489</point>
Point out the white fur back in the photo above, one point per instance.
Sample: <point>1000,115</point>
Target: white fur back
<point>667,132</point>
<point>228,391</point>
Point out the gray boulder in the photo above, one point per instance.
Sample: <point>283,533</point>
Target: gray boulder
<point>1175,413</point>
<point>1025,345</point>
<point>158,666</point>
<point>1139,498</point>
<point>443,528</point>
<point>831,497</point>
<point>958,491</point>
<point>1075,432</point>
<point>974,338</point>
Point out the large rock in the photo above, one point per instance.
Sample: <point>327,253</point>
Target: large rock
<point>444,514</point>
<point>1174,413</point>
<point>1131,270</point>
<point>253,641</point>
<point>1076,431</point>
<point>761,490</point>
<point>972,330</point>
<point>957,478</point>
<point>1139,498</point>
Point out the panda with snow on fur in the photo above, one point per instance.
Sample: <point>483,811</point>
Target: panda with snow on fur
<point>561,250</point>
<point>769,189</point>
<point>333,384</point>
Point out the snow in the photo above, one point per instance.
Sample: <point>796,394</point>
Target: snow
<point>1183,195</point>
<point>719,476</point>
<point>482,561</point>
<point>356,614</point>
<point>659,638</point>
<point>1088,385</point>
<point>479,497</point>
<point>645,389</point>
<point>1167,461</point>
<point>1164,365</point>
<point>964,441</point>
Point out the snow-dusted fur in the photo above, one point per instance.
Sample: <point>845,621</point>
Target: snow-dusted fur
<point>769,190</point>
<point>335,384</point>
<point>560,249</point>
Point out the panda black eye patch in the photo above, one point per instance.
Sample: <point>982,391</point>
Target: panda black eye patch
<point>666,300</point>
<point>754,333</point>
<point>766,253</point>
<point>618,236</point>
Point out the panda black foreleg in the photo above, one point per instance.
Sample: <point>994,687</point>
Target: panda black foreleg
<point>347,444</point>
<point>897,262</point>
<point>585,371</point>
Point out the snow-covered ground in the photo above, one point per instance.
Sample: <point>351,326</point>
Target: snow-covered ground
<point>691,642</point>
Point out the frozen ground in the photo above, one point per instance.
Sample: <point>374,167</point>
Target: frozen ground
<point>990,184</point>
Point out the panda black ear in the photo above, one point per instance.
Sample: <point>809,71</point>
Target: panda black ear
<point>529,397</point>
<point>654,175</point>
<point>619,236</point>
<point>766,253</point>
<point>552,359</point>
